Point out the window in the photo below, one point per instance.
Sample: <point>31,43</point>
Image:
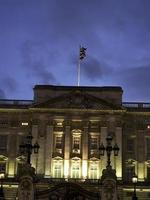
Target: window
<point>130,145</point>
<point>3,143</point>
<point>93,170</point>
<point>57,168</point>
<point>75,168</point>
<point>2,167</point>
<point>94,143</point>
<point>130,170</point>
<point>58,142</point>
<point>76,144</point>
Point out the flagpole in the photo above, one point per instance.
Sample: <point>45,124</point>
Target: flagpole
<point>78,76</point>
<point>82,54</point>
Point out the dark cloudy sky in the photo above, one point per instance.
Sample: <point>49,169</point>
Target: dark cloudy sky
<point>39,44</point>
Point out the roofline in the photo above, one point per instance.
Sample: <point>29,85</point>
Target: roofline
<point>55,87</point>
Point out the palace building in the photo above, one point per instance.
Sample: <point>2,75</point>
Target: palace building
<point>70,123</point>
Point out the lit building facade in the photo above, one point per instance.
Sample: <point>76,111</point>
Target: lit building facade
<point>69,123</point>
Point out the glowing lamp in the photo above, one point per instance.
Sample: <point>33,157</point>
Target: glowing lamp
<point>116,150</point>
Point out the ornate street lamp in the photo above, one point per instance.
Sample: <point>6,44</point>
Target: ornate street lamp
<point>109,149</point>
<point>27,148</point>
<point>134,181</point>
<point>2,175</point>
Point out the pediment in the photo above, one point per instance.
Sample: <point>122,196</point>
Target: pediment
<point>77,100</point>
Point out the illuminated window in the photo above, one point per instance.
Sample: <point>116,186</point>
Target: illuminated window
<point>76,144</point>
<point>76,141</point>
<point>75,169</point>
<point>57,168</point>
<point>94,143</point>
<point>93,170</point>
<point>57,171</point>
<point>24,123</point>
<point>59,123</point>
<point>3,143</point>
<point>58,142</point>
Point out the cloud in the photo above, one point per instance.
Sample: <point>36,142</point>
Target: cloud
<point>115,32</point>
<point>34,61</point>
<point>42,73</point>
<point>2,94</point>
<point>9,83</point>
<point>94,69</point>
<point>136,82</point>
<point>9,86</point>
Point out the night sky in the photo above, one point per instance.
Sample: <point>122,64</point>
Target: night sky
<point>39,44</point>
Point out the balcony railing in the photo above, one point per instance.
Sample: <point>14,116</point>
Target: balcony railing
<point>15,102</point>
<point>136,105</point>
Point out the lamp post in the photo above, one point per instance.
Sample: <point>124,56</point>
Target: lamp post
<point>134,181</point>
<point>109,149</point>
<point>1,188</point>
<point>26,147</point>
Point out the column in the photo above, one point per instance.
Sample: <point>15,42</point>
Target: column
<point>41,154</point>
<point>48,151</point>
<point>34,157</point>
<point>140,155</point>
<point>67,150</point>
<point>118,159</point>
<point>85,152</point>
<point>103,140</point>
<point>12,154</point>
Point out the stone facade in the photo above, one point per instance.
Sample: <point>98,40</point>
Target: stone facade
<point>70,123</point>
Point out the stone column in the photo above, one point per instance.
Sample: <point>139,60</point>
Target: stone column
<point>118,159</point>
<point>67,150</point>
<point>103,140</point>
<point>85,152</point>
<point>48,150</point>
<point>41,154</point>
<point>12,154</point>
<point>34,157</point>
<point>140,156</point>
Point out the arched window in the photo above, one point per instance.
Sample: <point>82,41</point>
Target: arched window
<point>58,167</point>
<point>130,169</point>
<point>93,169</point>
<point>76,168</point>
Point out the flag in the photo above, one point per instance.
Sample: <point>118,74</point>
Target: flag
<point>82,52</point>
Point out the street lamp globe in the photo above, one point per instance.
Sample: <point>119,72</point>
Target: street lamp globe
<point>116,149</point>
<point>134,179</point>
<point>2,175</point>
